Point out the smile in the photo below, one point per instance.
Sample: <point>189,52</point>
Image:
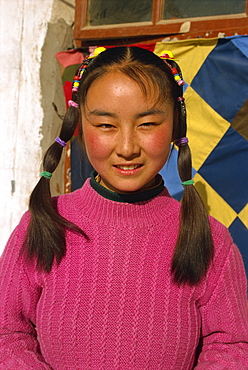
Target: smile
<point>129,168</point>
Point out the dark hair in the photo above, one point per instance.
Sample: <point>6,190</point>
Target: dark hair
<point>46,232</point>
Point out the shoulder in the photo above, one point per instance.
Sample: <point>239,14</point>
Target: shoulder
<point>224,246</point>
<point>226,269</point>
<point>13,249</point>
<point>66,200</point>
<point>71,202</point>
<point>226,253</point>
<point>221,236</point>
<point>20,230</point>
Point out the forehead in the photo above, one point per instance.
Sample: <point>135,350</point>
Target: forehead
<point>116,85</point>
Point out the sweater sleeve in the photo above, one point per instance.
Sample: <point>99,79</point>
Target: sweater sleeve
<point>225,318</point>
<point>19,347</point>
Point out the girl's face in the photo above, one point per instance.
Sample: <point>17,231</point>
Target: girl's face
<point>127,137</point>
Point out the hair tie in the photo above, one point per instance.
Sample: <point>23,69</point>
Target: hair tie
<point>188,182</point>
<point>182,141</point>
<point>46,174</point>
<point>72,104</point>
<point>60,141</point>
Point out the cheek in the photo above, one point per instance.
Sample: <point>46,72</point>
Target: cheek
<point>96,147</point>
<point>159,144</point>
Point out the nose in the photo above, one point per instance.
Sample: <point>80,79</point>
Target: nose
<point>128,145</point>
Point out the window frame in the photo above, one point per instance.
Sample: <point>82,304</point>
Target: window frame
<point>158,28</point>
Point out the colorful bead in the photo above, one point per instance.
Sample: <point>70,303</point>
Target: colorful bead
<point>169,55</point>
<point>180,82</point>
<point>174,71</point>
<point>166,54</point>
<point>96,52</point>
<point>71,103</point>
<point>77,78</point>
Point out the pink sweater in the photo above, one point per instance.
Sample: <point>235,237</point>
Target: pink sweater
<point>112,304</point>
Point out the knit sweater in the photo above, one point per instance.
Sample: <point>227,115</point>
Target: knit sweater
<point>112,302</point>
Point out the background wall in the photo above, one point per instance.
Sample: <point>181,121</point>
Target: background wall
<point>31,33</point>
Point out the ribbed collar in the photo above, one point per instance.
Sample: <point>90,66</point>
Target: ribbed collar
<point>88,204</point>
<point>126,198</point>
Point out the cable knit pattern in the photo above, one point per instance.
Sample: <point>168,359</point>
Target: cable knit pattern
<point>112,304</point>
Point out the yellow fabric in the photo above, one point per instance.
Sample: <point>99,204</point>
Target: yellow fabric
<point>215,204</point>
<point>243,215</point>
<point>205,127</point>
<point>189,53</point>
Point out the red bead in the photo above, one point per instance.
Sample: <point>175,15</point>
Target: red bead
<point>180,82</point>
<point>174,71</point>
<point>76,78</point>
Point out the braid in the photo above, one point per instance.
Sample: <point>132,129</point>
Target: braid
<point>194,247</point>
<point>45,236</point>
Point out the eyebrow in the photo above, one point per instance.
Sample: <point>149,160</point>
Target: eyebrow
<point>97,112</point>
<point>149,112</point>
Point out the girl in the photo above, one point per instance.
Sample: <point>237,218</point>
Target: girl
<point>118,275</point>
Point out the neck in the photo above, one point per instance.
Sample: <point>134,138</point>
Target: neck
<point>147,193</point>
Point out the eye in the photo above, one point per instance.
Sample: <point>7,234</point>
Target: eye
<point>105,126</point>
<point>147,124</point>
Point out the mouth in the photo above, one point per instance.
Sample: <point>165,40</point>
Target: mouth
<point>128,167</point>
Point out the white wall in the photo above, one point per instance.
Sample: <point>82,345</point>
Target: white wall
<point>23,31</point>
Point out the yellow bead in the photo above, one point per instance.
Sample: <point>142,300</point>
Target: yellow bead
<point>177,78</point>
<point>76,84</point>
<point>99,50</point>
<point>96,52</point>
<point>168,53</point>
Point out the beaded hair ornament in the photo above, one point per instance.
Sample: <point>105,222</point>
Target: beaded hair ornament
<point>165,55</point>
<point>78,76</point>
<point>168,55</point>
<point>72,103</point>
